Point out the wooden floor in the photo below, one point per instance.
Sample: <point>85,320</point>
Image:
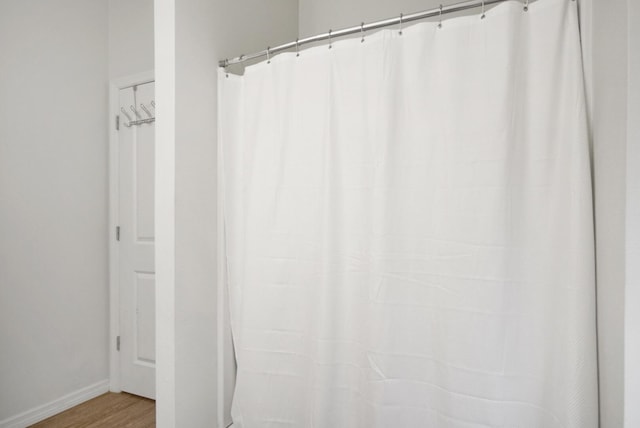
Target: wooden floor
<point>108,410</point>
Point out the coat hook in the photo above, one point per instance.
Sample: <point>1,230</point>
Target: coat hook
<point>143,107</point>
<point>126,114</point>
<point>133,109</point>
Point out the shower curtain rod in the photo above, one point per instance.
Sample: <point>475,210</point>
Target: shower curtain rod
<point>362,28</point>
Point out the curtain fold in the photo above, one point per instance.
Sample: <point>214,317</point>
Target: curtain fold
<point>409,232</point>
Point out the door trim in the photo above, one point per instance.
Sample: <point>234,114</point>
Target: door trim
<point>115,85</point>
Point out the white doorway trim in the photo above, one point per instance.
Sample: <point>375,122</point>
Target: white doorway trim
<point>115,86</point>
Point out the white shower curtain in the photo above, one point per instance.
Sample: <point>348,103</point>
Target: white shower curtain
<point>408,226</point>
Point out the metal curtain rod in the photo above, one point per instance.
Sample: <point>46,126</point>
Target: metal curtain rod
<point>456,7</point>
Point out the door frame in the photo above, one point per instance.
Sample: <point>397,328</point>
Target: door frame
<point>115,85</point>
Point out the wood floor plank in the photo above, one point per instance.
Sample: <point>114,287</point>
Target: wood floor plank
<point>136,415</point>
<point>108,410</point>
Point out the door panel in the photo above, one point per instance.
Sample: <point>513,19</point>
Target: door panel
<point>137,242</point>
<point>145,153</point>
<point>145,318</point>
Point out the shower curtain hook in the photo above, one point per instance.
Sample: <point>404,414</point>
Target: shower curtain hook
<point>483,15</point>
<point>268,54</point>
<point>226,67</point>
<point>297,48</point>
<point>440,18</point>
<point>362,32</point>
<point>330,45</point>
<point>526,5</point>
<point>400,32</point>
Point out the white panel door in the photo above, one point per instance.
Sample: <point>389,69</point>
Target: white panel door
<point>137,241</point>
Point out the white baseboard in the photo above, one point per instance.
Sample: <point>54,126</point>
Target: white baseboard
<point>54,407</point>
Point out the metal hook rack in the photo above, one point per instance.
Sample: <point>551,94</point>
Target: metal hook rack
<point>139,120</point>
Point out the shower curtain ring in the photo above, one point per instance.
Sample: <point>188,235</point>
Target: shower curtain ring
<point>226,67</point>
<point>440,18</point>
<point>401,16</point>
<point>297,47</point>
<point>483,15</point>
<point>269,55</point>
<point>330,44</point>
<point>362,32</point>
<point>526,5</point>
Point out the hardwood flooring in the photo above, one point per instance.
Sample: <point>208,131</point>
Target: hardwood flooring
<point>120,410</point>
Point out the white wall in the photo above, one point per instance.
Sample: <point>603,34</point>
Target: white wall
<point>130,37</point>
<point>191,36</point>
<point>164,42</point>
<point>53,200</point>
<point>632,297</point>
<point>609,126</point>
<point>319,16</point>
